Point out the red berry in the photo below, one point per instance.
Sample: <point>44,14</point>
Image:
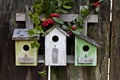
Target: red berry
<point>44,23</point>
<point>96,4</point>
<point>47,22</point>
<point>73,27</point>
<point>69,32</point>
<point>50,21</point>
<point>54,15</point>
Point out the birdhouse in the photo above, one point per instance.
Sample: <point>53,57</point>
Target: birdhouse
<point>25,55</point>
<point>55,46</point>
<point>85,51</point>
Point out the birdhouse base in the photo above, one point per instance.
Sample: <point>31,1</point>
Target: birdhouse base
<point>26,60</point>
<point>85,60</point>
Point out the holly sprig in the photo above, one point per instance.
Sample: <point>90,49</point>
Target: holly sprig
<point>47,7</point>
<point>52,10</point>
<point>97,5</point>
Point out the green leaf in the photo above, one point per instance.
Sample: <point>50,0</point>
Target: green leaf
<point>77,32</point>
<point>78,21</point>
<point>80,28</point>
<point>66,7</point>
<point>35,44</point>
<point>69,2</point>
<point>47,8</point>
<point>69,24</point>
<point>63,11</point>
<point>53,6</point>
<point>38,29</point>
<point>84,12</point>
<point>98,9</point>
<point>64,27</point>
<point>30,15</point>
<point>31,33</point>
<point>35,19</point>
<point>58,20</point>
<point>101,0</point>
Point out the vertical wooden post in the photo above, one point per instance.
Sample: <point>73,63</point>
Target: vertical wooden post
<point>101,33</point>
<point>115,40</point>
<point>7,68</point>
<point>85,22</point>
<point>29,23</point>
<point>85,28</point>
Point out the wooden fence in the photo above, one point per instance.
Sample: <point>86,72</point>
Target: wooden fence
<point>107,35</point>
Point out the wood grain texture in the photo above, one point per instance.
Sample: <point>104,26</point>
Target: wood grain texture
<point>66,17</point>
<point>115,40</point>
<point>100,33</point>
<point>8,70</point>
<point>29,23</point>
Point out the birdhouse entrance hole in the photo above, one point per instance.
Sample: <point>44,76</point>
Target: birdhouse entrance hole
<point>55,38</point>
<point>85,48</point>
<point>26,47</point>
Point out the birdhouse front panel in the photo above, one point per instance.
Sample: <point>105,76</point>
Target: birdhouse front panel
<point>55,48</point>
<point>25,55</point>
<point>85,53</point>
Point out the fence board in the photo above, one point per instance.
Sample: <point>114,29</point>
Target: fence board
<point>115,40</point>
<point>66,17</point>
<point>99,32</point>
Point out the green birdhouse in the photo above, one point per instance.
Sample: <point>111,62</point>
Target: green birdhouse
<point>24,54</point>
<point>85,51</point>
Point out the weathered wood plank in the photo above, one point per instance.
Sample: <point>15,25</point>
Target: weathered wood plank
<point>29,23</point>
<point>115,40</point>
<point>69,17</point>
<point>93,19</point>
<point>8,70</point>
<point>85,28</point>
<point>101,34</point>
<point>66,17</point>
<point>20,17</point>
<point>86,22</point>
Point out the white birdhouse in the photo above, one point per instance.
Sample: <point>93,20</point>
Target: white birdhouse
<point>24,54</point>
<point>55,46</point>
